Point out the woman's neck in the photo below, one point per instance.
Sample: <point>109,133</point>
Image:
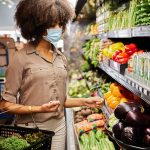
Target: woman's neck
<point>44,46</point>
<point>45,50</point>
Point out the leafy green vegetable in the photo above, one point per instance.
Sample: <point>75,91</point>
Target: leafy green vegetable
<point>13,143</point>
<point>84,141</point>
<point>91,50</point>
<point>34,137</point>
<point>93,142</point>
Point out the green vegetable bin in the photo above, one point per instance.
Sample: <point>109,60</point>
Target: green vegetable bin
<point>44,144</point>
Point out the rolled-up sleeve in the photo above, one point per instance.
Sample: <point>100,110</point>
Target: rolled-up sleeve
<point>13,79</point>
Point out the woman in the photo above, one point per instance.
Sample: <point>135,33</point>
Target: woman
<point>39,71</point>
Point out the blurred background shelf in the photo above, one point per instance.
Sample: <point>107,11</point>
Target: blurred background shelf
<point>142,31</point>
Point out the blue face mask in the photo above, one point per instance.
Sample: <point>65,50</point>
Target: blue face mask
<point>53,36</point>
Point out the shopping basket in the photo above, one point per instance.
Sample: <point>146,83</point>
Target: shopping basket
<point>44,144</point>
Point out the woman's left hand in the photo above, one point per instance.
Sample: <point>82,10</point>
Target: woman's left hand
<point>94,102</point>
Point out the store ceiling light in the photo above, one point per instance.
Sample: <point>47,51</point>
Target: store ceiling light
<point>9,3</point>
<point>4,3</point>
<point>10,6</point>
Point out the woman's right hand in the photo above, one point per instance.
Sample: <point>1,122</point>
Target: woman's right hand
<point>52,106</point>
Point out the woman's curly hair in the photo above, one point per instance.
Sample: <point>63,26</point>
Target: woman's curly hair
<point>33,17</point>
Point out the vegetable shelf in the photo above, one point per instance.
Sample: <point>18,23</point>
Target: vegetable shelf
<point>128,83</point>
<point>141,31</point>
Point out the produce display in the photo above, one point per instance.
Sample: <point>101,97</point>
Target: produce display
<point>13,143</point>
<point>109,51</point>
<point>123,17</point>
<point>18,142</point>
<point>133,126</point>
<point>78,88</point>
<point>112,121</point>
<point>82,114</point>
<point>102,17</point>
<point>121,53</point>
<point>138,68</point>
<point>92,29</point>
<point>90,114</point>
<point>119,94</point>
<point>87,84</point>
<point>95,140</point>
<point>116,15</point>
<point>91,50</point>
<point>142,13</point>
<point>129,121</point>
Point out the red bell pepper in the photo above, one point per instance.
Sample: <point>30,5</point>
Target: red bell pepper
<point>140,52</point>
<point>132,46</point>
<point>123,60</point>
<point>130,49</point>
<point>116,53</point>
<point>131,52</point>
<point>122,55</point>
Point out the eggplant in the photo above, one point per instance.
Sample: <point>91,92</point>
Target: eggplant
<point>147,130</point>
<point>136,118</point>
<point>123,108</point>
<point>117,129</point>
<point>131,135</point>
<point>147,140</point>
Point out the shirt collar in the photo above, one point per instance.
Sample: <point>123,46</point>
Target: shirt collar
<point>30,48</point>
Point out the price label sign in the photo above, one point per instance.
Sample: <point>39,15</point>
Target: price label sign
<point>145,92</point>
<point>136,86</point>
<point>140,89</point>
<point>129,81</point>
<point>133,84</point>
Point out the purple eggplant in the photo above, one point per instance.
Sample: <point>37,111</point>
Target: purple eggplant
<point>117,129</point>
<point>137,118</point>
<point>131,135</point>
<point>123,108</point>
<point>147,140</point>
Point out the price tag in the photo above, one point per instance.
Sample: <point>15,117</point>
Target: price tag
<point>129,81</point>
<point>145,92</point>
<point>136,86</point>
<point>140,89</point>
<point>133,84</point>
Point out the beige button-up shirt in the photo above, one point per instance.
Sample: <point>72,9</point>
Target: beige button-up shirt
<point>37,81</point>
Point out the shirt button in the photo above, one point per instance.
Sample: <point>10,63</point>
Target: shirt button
<point>51,86</point>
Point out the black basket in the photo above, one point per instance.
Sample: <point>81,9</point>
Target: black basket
<point>45,143</point>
